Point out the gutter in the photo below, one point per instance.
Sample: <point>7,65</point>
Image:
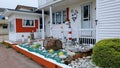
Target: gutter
<point>18,11</point>
<point>49,4</point>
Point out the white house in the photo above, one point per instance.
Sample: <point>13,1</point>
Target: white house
<point>3,30</point>
<point>22,21</point>
<point>3,27</point>
<point>91,20</point>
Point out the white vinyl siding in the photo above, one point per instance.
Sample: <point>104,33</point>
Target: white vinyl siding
<point>108,16</point>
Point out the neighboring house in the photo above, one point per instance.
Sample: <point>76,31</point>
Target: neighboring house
<point>3,29</point>
<point>90,19</point>
<point>22,21</point>
<point>2,17</point>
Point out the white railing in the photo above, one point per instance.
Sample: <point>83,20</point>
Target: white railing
<point>87,33</point>
<point>87,36</point>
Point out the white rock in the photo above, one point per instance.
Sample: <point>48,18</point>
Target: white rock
<point>85,62</point>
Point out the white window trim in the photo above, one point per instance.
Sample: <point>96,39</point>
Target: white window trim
<point>27,26</point>
<point>62,22</point>
<point>57,20</point>
<point>61,17</point>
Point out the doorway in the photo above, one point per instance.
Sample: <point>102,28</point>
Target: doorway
<point>86,16</point>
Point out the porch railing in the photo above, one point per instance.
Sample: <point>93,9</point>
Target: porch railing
<point>86,36</point>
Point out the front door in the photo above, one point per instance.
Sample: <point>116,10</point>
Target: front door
<point>86,20</point>
<point>86,16</point>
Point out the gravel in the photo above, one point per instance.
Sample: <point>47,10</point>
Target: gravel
<point>84,62</point>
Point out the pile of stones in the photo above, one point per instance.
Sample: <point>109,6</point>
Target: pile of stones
<point>84,62</point>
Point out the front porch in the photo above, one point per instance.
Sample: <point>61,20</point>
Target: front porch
<point>82,16</point>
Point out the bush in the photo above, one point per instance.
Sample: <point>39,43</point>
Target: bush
<point>106,53</point>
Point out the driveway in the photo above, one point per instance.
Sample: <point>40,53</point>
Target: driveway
<point>9,58</point>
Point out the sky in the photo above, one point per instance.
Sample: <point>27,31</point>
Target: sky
<point>13,3</point>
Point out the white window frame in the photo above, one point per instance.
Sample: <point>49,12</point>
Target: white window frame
<point>62,15</point>
<point>59,16</point>
<point>23,23</point>
<point>11,27</point>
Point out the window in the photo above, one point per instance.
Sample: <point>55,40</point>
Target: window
<point>5,26</point>
<point>86,16</point>
<point>41,24</point>
<point>86,12</point>
<point>53,17</point>
<point>64,16</point>
<point>59,17</point>
<point>28,23</point>
<point>11,26</point>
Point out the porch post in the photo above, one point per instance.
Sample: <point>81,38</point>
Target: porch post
<point>51,20</point>
<point>43,21</point>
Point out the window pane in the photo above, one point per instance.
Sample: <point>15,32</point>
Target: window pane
<point>53,17</point>
<point>86,11</point>
<point>28,23</point>
<point>31,23</point>
<point>41,24</point>
<point>64,16</point>
<point>58,17</point>
<point>24,23</point>
<point>11,27</point>
<point>5,26</point>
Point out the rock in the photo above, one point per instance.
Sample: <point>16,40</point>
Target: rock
<point>84,62</point>
<point>54,44</point>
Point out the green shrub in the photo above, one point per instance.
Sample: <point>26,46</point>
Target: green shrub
<point>106,53</point>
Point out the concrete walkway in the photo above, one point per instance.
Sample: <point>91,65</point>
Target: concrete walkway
<point>9,58</point>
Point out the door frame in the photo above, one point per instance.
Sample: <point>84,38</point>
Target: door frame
<point>91,25</point>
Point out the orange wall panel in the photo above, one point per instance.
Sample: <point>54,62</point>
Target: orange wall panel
<point>20,28</point>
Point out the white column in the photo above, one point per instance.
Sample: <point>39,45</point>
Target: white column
<point>51,21</point>
<point>43,21</point>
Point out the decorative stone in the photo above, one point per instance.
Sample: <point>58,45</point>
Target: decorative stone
<point>84,62</point>
<point>54,44</point>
